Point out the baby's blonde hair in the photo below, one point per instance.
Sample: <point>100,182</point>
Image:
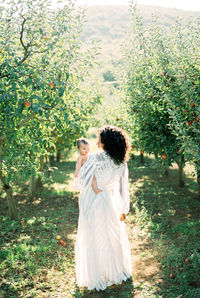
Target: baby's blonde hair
<point>82,141</point>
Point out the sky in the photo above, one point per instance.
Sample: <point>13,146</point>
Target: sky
<point>181,4</point>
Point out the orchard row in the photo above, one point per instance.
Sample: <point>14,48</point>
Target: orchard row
<point>45,105</point>
<point>162,88</point>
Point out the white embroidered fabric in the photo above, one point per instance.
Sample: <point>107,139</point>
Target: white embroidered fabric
<point>102,248</point>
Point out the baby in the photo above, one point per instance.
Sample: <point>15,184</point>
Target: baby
<point>84,148</point>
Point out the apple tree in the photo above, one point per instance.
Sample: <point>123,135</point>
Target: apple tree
<point>42,69</point>
<point>162,90</point>
<point>146,62</point>
<point>183,96</point>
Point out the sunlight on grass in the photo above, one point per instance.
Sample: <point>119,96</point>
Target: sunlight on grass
<point>37,201</point>
<point>59,187</point>
<point>163,228</point>
<point>70,183</point>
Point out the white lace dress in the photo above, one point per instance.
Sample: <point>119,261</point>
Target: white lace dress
<point>102,248</point>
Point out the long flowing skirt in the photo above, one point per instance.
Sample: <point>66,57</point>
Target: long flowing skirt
<point>102,248</point>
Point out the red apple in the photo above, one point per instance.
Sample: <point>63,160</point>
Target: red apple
<point>27,104</point>
<point>63,243</point>
<point>133,147</point>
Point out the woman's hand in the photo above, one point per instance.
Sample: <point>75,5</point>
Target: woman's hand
<point>123,216</point>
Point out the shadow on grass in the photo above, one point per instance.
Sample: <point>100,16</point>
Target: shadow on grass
<point>161,196</point>
<point>29,248</point>
<point>126,290</point>
<point>171,215</point>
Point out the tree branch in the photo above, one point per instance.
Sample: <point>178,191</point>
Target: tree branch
<point>26,53</point>
<point>25,120</point>
<point>21,35</point>
<point>3,180</point>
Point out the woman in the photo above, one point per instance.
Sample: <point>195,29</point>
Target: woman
<point>102,249</point>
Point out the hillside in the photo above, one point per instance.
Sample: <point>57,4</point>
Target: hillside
<point>109,24</point>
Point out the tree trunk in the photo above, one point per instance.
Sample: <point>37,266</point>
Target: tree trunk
<point>166,173</point>
<point>180,175</point>
<point>181,164</point>
<point>41,170</point>
<point>9,194</point>
<point>132,156</point>
<point>32,187</point>
<point>39,182</point>
<point>51,160</point>
<point>198,181</point>
<point>11,203</point>
<point>35,183</point>
<point>58,156</point>
<point>142,158</point>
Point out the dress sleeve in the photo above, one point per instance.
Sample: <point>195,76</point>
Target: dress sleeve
<point>84,179</point>
<point>124,190</point>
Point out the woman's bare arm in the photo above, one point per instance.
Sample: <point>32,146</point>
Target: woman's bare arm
<point>94,185</point>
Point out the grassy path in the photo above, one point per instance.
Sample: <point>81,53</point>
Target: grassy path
<point>163,228</point>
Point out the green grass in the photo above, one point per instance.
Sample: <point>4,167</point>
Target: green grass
<point>166,217</point>
<point>170,216</point>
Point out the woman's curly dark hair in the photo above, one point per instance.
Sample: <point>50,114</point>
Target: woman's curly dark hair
<point>115,142</point>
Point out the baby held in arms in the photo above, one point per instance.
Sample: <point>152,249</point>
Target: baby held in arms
<point>84,148</point>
